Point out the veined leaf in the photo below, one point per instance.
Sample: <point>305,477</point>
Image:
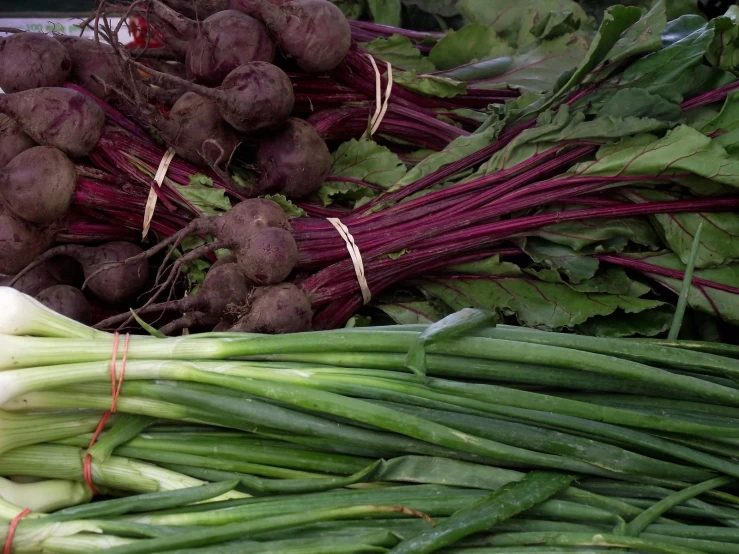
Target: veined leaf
<point>430,85</point>
<point>611,281</point>
<point>601,235</point>
<point>487,266</point>
<point>533,70</point>
<point>727,119</point>
<point>719,242</point>
<point>664,72</point>
<point>719,303</point>
<point>454,151</point>
<point>361,160</point>
<point>470,43</point>
<point>648,323</point>
<point>576,266</point>
<point>724,49</point>
<point>682,150</point>
<point>535,303</point>
<point>400,52</point>
<point>203,195</point>
<point>639,103</point>
<point>405,313</point>
<point>642,37</point>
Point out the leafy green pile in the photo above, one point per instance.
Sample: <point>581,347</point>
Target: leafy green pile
<point>640,94</point>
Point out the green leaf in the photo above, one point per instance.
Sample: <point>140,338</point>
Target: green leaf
<point>719,241</point>
<point>727,119</point>
<point>204,196</point>
<point>430,85</point>
<point>506,17</point>
<point>563,126</point>
<point>146,327</point>
<point>642,37</point>
<point>533,70</point>
<point>550,26</point>
<point>386,12</point>
<point>576,266</point>
<point>362,160</point>
<point>724,49</point>
<point>617,19</point>
<point>454,151</point>
<point>648,323</point>
<point>611,281</point>
<point>444,8</point>
<point>471,43</point>
<point>290,209</point>
<point>682,301</point>
<point>406,313</point>
<point>487,266</point>
<point>722,304</point>
<point>682,150</point>
<point>679,28</point>
<point>358,321</point>
<point>535,303</point>
<point>352,9</point>
<point>639,103</point>
<point>453,325</point>
<point>599,235</point>
<point>400,52</point>
<point>679,8</point>
<point>195,273</point>
<point>664,72</point>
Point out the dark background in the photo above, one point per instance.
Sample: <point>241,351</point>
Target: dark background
<point>36,8</point>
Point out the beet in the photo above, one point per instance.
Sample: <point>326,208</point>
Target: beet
<point>38,184</point>
<point>33,282</point>
<point>315,33</point>
<point>13,140</point>
<point>223,293</point>
<point>108,272</point>
<point>59,117</point>
<point>92,65</point>
<point>32,60</point>
<point>20,241</point>
<point>294,161</point>
<point>197,132</point>
<point>216,46</point>
<point>256,231</point>
<point>269,256</point>
<point>277,309</point>
<point>197,9</point>
<point>253,97</point>
<point>229,39</point>
<point>68,301</point>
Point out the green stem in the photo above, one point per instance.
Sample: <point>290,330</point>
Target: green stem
<point>639,523</point>
<point>503,504</point>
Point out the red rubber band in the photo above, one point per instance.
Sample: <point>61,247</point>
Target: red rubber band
<point>116,385</point>
<point>11,530</point>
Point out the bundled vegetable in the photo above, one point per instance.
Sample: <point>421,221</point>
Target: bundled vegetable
<point>504,436</point>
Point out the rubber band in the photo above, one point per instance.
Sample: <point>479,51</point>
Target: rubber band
<point>383,111</point>
<point>355,255</point>
<point>11,530</point>
<point>380,106</point>
<point>116,383</point>
<point>151,201</point>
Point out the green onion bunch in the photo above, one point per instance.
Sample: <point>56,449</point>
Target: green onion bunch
<point>460,437</point>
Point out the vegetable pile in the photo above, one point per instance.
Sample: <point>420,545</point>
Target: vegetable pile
<point>460,437</point>
<point>274,167</point>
